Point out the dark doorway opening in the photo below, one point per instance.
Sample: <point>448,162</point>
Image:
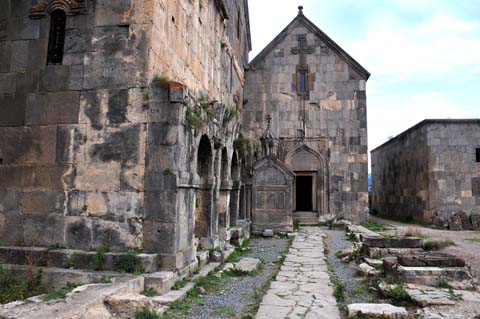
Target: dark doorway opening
<point>304,193</point>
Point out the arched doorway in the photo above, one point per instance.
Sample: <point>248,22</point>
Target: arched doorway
<point>309,189</point>
<point>203,203</point>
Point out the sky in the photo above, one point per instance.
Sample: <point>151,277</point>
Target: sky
<point>424,55</point>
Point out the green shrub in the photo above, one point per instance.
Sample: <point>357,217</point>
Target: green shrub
<point>296,225</point>
<point>399,295</point>
<point>150,292</point>
<point>146,313</point>
<point>129,262</point>
<point>160,80</point>
<point>12,289</point>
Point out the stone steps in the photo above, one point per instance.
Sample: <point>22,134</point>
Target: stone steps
<point>457,277</point>
<point>306,218</point>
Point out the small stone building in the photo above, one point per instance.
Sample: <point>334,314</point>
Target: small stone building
<point>305,101</point>
<point>117,124</point>
<point>430,173</point>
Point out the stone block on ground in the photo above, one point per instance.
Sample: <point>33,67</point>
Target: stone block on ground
<point>227,252</point>
<point>457,277</point>
<point>369,310</point>
<point>375,252</point>
<point>400,242</point>
<point>430,296</point>
<point>375,263</point>
<point>247,264</point>
<point>267,233</point>
<point>340,224</point>
<point>125,305</point>
<point>161,281</point>
<point>216,256</point>
<point>431,259</point>
<point>368,270</point>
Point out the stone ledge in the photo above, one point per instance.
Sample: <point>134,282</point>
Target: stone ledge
<point>63,258</point>
<point>401,242</point>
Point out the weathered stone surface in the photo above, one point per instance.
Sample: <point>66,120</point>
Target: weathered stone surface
<point>440,188</point>
<point>457,277</point>
<point>377,310</point>
<point>400,242</point>
<point>368,270</point>
<point>431,259</point>
<point>161,281</point>
<point>302,287</point>
<point>267,233</point>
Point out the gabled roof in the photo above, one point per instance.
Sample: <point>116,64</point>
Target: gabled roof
<point>301,19</point>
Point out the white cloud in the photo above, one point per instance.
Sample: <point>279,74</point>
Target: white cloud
<point>435,48</point>
<point>390,115</point>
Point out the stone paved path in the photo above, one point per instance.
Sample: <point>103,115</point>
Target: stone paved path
<point>302,288</point>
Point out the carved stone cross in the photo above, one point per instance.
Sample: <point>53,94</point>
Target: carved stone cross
<point>303,49</point>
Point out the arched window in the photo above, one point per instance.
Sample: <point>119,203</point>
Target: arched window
<point>56,39</point>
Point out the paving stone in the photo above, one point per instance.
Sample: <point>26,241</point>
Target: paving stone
<point>247,264</point>
<point>369,310</point>
<point>303,288</point>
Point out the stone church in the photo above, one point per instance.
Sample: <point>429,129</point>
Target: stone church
<point>305,100</point>
<point>140,125</point>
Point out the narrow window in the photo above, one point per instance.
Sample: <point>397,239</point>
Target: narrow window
<point>303,82</point>
<point>57,37</point>
<point>477,155</point>
<point>239,21</point>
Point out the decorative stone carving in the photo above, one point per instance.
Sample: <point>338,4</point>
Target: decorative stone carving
<point>44,7</point>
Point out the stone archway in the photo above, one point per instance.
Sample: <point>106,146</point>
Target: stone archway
<point>310,191</point>
<point>203,203</point>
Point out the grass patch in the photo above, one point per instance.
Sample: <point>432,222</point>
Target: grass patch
<point>146,313</point>
<point>12,289</point>
<point>60,293</point>
<point>376,227</point>
<point>473,240</point>
<point>224,311</point>
<point>211,283</point>
<point>180,284</point>
<point>99,259</point>
<point>430,245</point>
<point>239,252</point>
<point>339,291</point>
<point>296,225</point>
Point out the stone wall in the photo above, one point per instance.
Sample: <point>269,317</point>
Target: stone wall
<point>335,109</point>
<point>429,172</point>
<point>400,176</point>
<point>101,149</point>
<point>454,172</point>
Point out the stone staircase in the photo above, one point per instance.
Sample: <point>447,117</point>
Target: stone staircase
<point>306,218</point>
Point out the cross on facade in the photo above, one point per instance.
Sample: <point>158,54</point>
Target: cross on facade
<point>303,49</point>
<point>269,121</point>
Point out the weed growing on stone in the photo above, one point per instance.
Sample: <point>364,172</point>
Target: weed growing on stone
<point>430,245</point>
<point>160,80</point>
<point>60,293</point>
<point>71,262</point>
<point>399,295</point>
<point>54,247</point>
<point>473,240</point>
<point>99,260</point>
<point>129,262</point>
<point>239,252</point>
<point>146,313</point>
<point>296,225</point>
<point>180,284</point>
<point>106,280</point>
<point>150,292</point>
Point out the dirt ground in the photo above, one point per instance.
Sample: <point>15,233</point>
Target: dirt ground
<point>467,243</point>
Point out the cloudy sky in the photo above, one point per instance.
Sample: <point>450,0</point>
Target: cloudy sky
<point>424,55</point>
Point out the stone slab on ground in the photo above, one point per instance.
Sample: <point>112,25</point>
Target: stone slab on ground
<point>267,233</point>
<point>362,232</point>
<point>431,259</point>
<point>84,302</point>
<point>468,306</point>
<point>399,242</point>
<point>302,288</point>
<point>368,270</point>
<point>247,264</point>
<point>457,277</point>
<point>371,310</point>
<point>376,252</point>
<point>426,296</point>
<point>375,263</point>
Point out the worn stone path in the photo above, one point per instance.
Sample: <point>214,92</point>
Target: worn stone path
<point>302,288</point>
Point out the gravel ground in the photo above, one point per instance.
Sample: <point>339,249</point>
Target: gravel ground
<point>239,291</point>
<point>346,272</point>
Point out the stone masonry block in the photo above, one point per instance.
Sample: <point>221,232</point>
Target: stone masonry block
<point>30,145</point>
<point>159,237</point>
<point>12,110</point>
<point>53,108</point>
<point>98,177</point>
<point>43,203</point>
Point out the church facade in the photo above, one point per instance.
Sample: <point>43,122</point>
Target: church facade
<point>310,95</point>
